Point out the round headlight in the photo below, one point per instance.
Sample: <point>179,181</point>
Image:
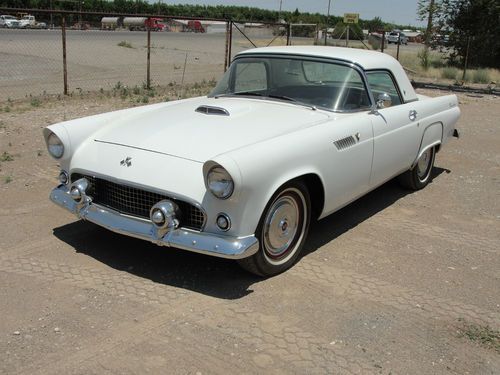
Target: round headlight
<point>55,146</point>
<point>220,183</point>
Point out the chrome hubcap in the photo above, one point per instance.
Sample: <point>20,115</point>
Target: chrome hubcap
<point>424,163</point>
<point>284,227</point>
<point>281,226</point>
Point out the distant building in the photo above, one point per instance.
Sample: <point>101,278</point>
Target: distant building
<point>414,36</point>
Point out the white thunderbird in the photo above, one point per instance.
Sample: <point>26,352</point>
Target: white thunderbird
<point>288,135</point>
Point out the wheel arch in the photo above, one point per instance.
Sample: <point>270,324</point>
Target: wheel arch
<point>315,187</point>
<point>432,137</point>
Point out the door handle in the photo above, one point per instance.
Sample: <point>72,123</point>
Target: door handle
<point>412,115</point>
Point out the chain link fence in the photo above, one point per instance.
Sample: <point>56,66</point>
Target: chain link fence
<point>79,52</point>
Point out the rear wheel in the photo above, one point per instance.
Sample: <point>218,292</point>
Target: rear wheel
<point>421,174</point>
<point>282,231</point>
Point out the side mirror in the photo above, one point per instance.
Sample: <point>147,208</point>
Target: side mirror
<point>384,101</point>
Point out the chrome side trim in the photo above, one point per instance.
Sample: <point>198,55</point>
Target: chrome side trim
<point>185,239</point>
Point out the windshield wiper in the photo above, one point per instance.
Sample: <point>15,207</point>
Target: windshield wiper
<point>270,96</point>
<point>293,100</point>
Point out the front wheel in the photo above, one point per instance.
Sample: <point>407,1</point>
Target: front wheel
<point>282,231</point>
<point>421,174</point>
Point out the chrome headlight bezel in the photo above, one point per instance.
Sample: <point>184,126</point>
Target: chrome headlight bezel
<point>219,182</point>
<point>55,146</point>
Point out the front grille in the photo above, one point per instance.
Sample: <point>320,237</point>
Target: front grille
<point>137,202</point>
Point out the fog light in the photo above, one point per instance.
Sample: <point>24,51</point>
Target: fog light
<point>78,189</point>
<point>158,217</point>
<point>164,215</point>
<point>223,222</point>
<point>76,194</point>
<point>63,177</point>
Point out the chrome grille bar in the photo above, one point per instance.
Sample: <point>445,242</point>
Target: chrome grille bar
<point>137,202</point>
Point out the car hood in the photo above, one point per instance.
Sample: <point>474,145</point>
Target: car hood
<point>177,129</point>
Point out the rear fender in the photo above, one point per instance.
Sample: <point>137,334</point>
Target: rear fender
<point>432,137</point>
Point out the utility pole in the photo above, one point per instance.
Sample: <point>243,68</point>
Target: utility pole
<point>279,13</point>
<point>327,19</point>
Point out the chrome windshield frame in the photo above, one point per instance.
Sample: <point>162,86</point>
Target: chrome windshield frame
<point>305,57</point>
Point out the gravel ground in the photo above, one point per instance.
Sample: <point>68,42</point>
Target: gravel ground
<point>396,283</point>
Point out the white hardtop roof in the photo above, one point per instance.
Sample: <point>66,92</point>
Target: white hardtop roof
<point>365,58</point>
<point>368,60</point>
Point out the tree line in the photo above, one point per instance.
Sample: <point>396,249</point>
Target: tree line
<point>235,13</point>
<point>467,30</point>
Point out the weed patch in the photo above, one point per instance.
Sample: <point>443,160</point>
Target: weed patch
<point>6,157</point>
<point>125,44</point>
<point>482,335</point>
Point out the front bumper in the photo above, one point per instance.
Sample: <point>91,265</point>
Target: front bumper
<point>185,239</point>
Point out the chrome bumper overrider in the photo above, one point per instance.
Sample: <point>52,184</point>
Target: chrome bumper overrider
<point>205,243</point>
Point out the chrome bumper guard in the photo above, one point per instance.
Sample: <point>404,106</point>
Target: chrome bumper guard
<point>185,239</point>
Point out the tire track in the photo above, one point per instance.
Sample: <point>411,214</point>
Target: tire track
<point>457,237</point>
<point>107,281</point>
<point>271,338</point>
<point>355,285</point>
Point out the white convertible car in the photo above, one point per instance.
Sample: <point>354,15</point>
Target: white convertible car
<point>289,135</point>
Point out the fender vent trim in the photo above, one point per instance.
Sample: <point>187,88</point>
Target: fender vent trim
<point>210,110</point>
<point>345,143</point>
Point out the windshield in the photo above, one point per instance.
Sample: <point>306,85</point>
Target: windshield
<point>327,85</point>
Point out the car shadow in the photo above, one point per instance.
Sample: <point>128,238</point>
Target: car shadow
<point>338,223</point>
<point>216,277</point>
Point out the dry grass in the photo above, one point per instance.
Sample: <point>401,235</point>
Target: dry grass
<point>438,71</point>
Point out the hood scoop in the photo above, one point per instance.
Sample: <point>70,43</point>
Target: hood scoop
<point>211,110</point>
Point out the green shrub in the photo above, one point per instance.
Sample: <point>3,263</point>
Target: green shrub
<point>424,58</point>
<point>481,76</point>
<point>449,73</point>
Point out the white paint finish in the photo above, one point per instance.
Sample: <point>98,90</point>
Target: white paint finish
<point>262,144</point>
<point>179,130</point>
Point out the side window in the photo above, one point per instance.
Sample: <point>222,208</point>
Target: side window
<point>250,77</point>
<point>381,82</point>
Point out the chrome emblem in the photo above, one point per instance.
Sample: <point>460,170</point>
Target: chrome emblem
<point>127,162</point>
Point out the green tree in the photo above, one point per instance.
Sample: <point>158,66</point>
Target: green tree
<point>473,29</point>
<point>429,10</point>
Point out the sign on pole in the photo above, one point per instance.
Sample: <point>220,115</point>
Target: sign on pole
<point>351,17</point>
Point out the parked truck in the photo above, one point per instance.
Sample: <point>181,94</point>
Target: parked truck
<point>111,23</point>
<point>29,22</point>
<point>143,23</point>
<point>195,26</point>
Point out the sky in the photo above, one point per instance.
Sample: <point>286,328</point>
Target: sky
<point>396,11</point>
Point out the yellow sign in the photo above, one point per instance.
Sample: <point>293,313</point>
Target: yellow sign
<point>351,17</point>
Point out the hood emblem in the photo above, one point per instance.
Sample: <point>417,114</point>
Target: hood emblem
<point>127,162</point>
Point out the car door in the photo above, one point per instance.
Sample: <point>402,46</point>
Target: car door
<point>395,129</point>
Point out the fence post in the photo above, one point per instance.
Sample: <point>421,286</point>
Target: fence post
<point>399,43</point>
<point>230,43</point>
<point>288,32</point>
<point>466,58</point>
<point>148,74</point>
<point>65,68</point>
<point>227,46</point>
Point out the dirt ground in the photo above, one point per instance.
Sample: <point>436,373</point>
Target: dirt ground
<point>396,283</point>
